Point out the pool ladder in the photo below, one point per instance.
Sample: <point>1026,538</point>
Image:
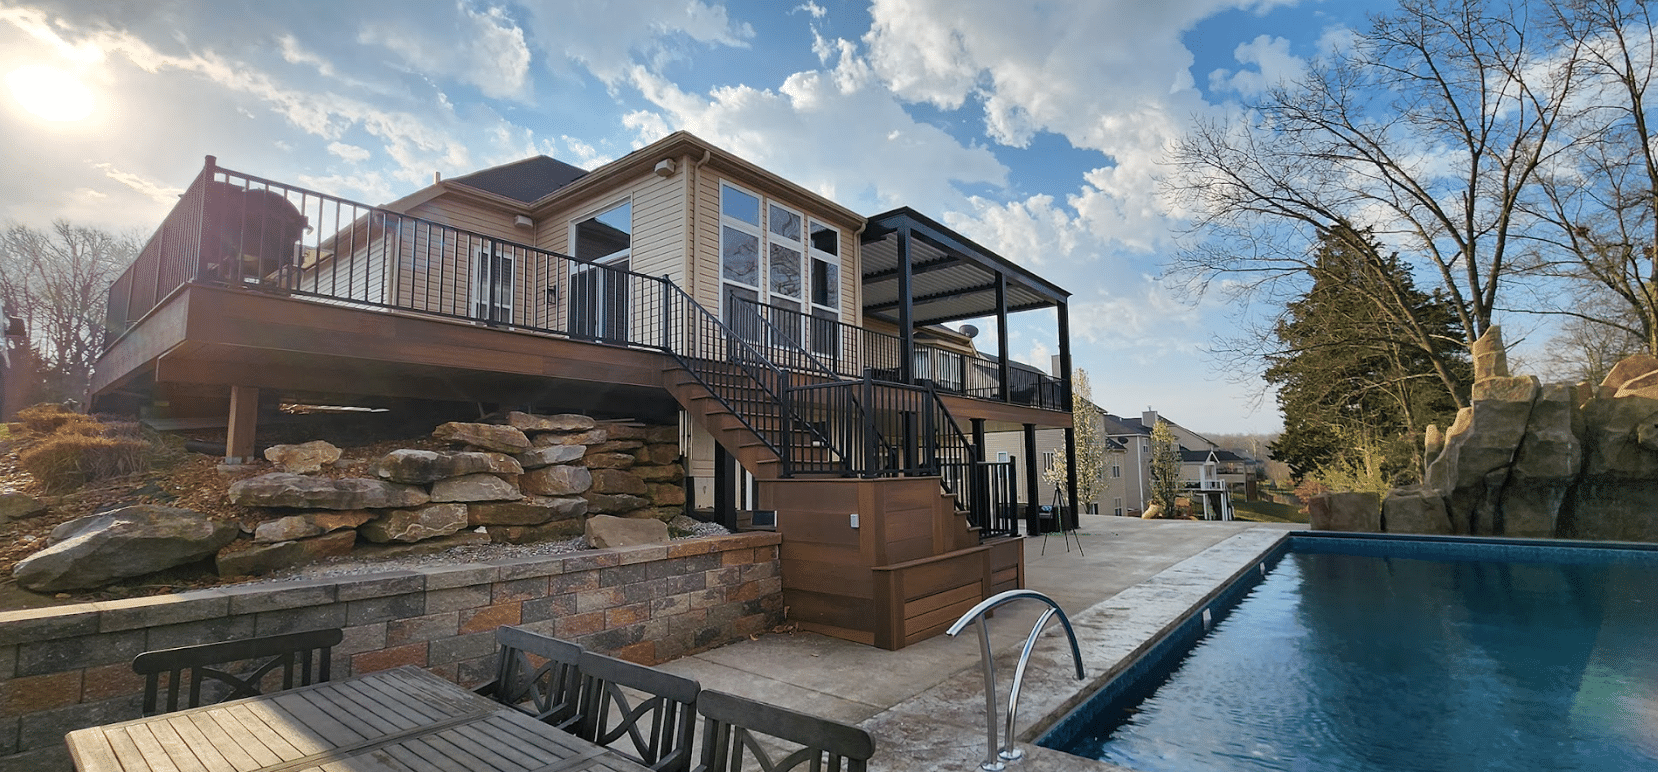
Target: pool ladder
<point>995,759</point>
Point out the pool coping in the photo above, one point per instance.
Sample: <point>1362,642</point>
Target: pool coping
<point>944,727</point>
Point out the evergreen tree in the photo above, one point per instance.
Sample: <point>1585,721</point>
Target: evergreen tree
<point>1351,379</point>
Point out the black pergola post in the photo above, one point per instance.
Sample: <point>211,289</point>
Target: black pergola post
<point>725,505</point>
<point>906,308</point>
<point>1033,493</point>
<point>1064,323</point>
<point>1002,368</point>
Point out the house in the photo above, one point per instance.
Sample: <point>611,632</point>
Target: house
<point>1201,463</point>
<point>1046,453</point>
<point>795,342</point>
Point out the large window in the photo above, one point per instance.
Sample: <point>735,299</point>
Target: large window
<point>603,247</point>
<point>773,255</point>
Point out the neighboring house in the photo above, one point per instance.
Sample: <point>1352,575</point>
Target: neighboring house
<point>1049,452</point>
<point>798,344</point>
<point>1200,465</point>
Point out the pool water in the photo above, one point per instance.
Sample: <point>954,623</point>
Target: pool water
<point>1361,662</point>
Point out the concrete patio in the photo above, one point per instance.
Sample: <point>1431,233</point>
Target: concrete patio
<point>1130,580</point>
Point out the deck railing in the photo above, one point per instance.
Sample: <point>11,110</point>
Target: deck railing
<point>852,351</point>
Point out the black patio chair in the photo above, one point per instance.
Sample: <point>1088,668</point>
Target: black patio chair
<point>301,658</point>
<point>659,728</point>
<point>733,725</point>
<point>550,691</point>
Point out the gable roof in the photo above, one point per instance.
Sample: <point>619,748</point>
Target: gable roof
<point>526,181</point>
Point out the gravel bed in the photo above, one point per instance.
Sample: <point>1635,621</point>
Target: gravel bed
<point>471,553</point>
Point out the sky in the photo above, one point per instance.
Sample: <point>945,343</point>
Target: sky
<point>1035,128</point>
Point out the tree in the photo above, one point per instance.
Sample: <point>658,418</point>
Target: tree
<point>1165,466</point>
<point>1090,444</point>
<point>1353,384</point>
<point>1425,135</point>
<point>1598,195</point>
<point>58,281</point>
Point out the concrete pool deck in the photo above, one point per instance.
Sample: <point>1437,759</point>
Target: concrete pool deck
<point>924,704</point>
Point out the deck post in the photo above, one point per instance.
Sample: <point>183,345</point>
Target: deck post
<point>244,421</point>
<point>725,468</point>
<point>1003,389</point>
<point>1033,494</point>
<point>906,309</point>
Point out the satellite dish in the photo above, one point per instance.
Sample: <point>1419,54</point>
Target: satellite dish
<point>970,331</point>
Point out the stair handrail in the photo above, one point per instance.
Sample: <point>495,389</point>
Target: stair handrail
<point>753,356</point>
<point>995,759</point>
<point>788,344</point>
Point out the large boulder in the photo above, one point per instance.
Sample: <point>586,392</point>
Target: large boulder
<point>502,439</point>
<point>1545,467</point>
<point>552,454</point>
<point>15,505</point>
<point>608,460</point>
<point>617,481</point>
<point>1416,509</point>
<point>663,494</point>
<point>412,525</point>
<point>533,510</point>
<point>1490,355</point>
<point>604,531</point>
<point>565,422</point>
<point>1626,370</point>
<point>475,487</point>
<point>398,549</point>
<point>257,559</point>
<point>1617,495</point>
<point>127,542</point>
<point>556,481</point>
<point>1346,512</point>
<point>282,489</point>
<point>304,458</point>
<point>308,524</point>
<point>425,466</point>
<point>530,534</point>
<point>614,503</point>
<point>590,437</point>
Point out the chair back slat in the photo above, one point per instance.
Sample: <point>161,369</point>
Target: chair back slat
<point>658,728</point>
<point>733,726</point>
<point>550,691</point>
<point>303,656</point>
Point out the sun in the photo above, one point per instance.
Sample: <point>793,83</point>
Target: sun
<point>50,93</point>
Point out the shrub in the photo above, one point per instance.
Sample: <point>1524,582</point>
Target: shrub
<point>48,417</point>
<point>70,459</point>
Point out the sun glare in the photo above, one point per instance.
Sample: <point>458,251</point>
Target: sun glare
<point>50,93</point>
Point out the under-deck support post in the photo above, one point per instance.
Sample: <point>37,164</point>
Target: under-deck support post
<point>725,472</point>
<point>1003,370</point>
<point>1033,493</point>
<point>244,421</point>
<point>906,309</point>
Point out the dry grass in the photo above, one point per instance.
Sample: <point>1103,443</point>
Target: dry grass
<point>47,418</point>
<point>70,459</point>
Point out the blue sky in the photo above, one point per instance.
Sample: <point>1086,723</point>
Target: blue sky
<point>1034,128</point>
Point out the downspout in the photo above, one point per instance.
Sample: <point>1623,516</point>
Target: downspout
<point>691,169</point>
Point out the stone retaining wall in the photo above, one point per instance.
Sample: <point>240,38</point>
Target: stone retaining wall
<point>69,667</point>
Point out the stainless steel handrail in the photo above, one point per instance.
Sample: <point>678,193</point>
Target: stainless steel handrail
<point>995,759</point>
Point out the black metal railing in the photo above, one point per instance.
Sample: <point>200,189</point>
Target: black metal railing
<point>998,512</point>
<point>827,344</point>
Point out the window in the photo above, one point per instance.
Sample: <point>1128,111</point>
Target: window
<point>775,256</point>
<point>603,247</point>
<point>1001,456</point>
<point>1048,457</point>
<point>1116,470</point>
<point>492,285</point>
<point>1117,506</point>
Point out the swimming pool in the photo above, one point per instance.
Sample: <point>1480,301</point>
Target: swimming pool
<point>1410,653</point>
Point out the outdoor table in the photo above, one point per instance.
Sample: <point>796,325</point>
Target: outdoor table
<point>402,720</point>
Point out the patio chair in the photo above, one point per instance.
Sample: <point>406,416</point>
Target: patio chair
<point>734,725</point>
<point>302,659</point>
<point>659,728</point>
<point>550,691</point>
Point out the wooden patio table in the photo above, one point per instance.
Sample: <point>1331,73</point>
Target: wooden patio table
<point>402,720</point>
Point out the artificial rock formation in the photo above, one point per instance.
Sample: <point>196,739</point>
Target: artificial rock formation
<point>1541,459</point>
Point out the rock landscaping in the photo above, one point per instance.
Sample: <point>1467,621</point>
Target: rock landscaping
<point>533,478</point>
<point>1560,460</point>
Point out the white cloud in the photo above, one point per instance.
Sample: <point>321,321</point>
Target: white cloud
<point>605,37</point>
<point>155,191</point>
<point>836,131</point>
<point>348,152</point>
<point>1273,64</point>
<point>294,53</point>
<point>484,48</point>
<point>817,11</point>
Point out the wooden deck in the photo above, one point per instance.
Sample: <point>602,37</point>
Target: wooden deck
<point>216,337</point>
